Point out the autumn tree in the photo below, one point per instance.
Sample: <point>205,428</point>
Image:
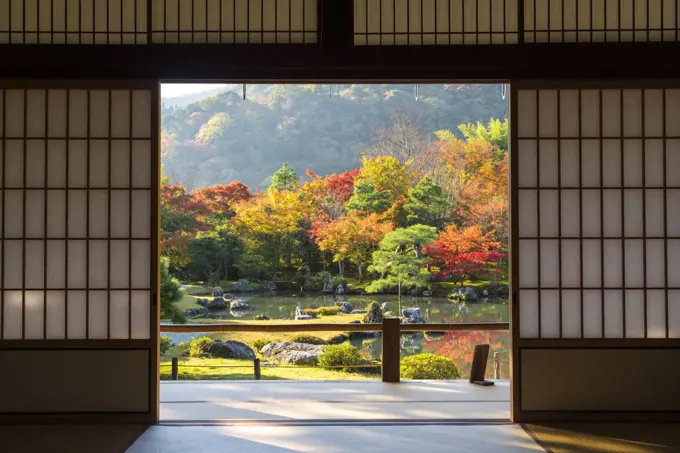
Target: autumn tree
<point>428,204</point>
<point>462,252</point>
<point>284,178</point>
<point>368,199</point>
<point>351,237</point>
<point>213,253</point>
<point>220,199</point>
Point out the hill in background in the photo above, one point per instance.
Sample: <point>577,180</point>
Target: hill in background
<point>222,137</point>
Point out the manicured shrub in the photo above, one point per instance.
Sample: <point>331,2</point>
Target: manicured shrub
<point>260,343</point>
<point>323,311</point>
<point>428,366</point>
<point>166,343</point>
<point>340,355</point>
<point>261,317</point>
<point>198,345</point>
<point>308,339</point>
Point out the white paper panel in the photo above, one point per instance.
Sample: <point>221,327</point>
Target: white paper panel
<point>77,256</point>
<point>635,312</point>
<point>120,308</point>
<point>56,111</point>
<point>35,315</point>
<point>569,102</point>
<point>120,113</point>
<point>98,315</point>
<point>35,265</point>
<point>549,214</point>
<point>655,263</point>
<point>528,313</point>
<point>77,213</point>
<point>547,122</point>
<point>141,213</point>
<point>590,113</point>
<point>120,214</point>
<point>550,314</point>
<point>571,314</point>
<point>656,313</point>
<point>590,163</point>
<point>550,274</point>
<point>673,314</point>
<point>528,263</point>
<point>527,164</point>
<point>78,113</point>
<point>119,259</point>
<point>56,264</point>
<point>612,263</point>
<point>141,264</point>
<point>35,163</point>
<point>77,164</point>
<point>633,218</point>
<point>613,314</point>
<point>634,257</point>
<point>12,316</point>
<point>99,113</point>
<point>56,213</point>
<point>654,163</point>
<point>632,163</point>
<point>14,164</point>
<point>611,158</point>
<point>141,114</point>
<point>612,212</point>
<point>98,264</point>
<point>13,264</point>
<point>571,263</point>
<point>56,315</point>
<point>673,212</point>
<point>77,317</point>
<point>632,113</point>
<point>569,159</point>
<point>611,108</point>
<point>141,315</point>
<point>673,112</point>
<point>570,217</point>
<point>653,113</point>
<point>591,213</point>
<point>35,213</point>
<point>592,268</point>
<point>528,226</point>
<point>654,213</point>
<point>592,314</point>
<point>14,118</point>
<point>673,262</point>
<point>99,163</point>
<point>120,163</point>
<point>526,121</point>
<point>548,163</point>
<point>141,164</point>
<point>56,168</point>
<point>14,203</point>
<point>99,216</point>
<point>35,126</point>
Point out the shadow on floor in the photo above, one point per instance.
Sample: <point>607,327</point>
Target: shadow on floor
<point>69,438</point>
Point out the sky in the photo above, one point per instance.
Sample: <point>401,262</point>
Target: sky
<point>171,90</point>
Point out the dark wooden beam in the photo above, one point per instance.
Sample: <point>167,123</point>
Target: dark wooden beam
<point>207,62</point>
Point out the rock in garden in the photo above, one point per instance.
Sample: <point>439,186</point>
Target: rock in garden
<point>346,307</point>
<point>293,353</point>
<point>203,302</point>
<point>412,316</point>
<point>385,306</point>
<point>374,315</point>
<point>239,304</point>
<point>485,294</point>
<point>299,314</point>
<point>195,312</point>
<point>358,312</point>
<point>229,350</point>
<point>217,291</point>
<point>268,286</point>
<point>464,294</point>
<point>243,286</point>
<point>218,304</point>
<point>229,296</point>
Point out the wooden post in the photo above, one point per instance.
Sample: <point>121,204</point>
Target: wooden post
<point>478,369</point>
<point>391,349</point>
<point>496,365</point>
<point>258,371</point>
<point>175,369</point>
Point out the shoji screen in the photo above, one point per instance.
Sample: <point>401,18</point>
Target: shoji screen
<point>600,20</point>
<point>438,22</point>
<point>79,215</point>
<point>596,192</point>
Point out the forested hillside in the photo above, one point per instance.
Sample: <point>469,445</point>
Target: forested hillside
<point>323,128</point>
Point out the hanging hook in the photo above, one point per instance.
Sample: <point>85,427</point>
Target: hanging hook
<point>504,90</point>
<point>244,91</point>
<point>417,92</point>
<point>330,90</point>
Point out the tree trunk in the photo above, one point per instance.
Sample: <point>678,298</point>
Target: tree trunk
<point>361,273</point>
<point>341,268</point>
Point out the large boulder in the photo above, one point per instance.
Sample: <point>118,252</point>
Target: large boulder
<point>385,306</point>
<point>464,294</point>
<point>345,307</point>
<point>293,353</point>
<point>195,312</point>
<point>218,303</point>
<point>300,315</point>
<point>203,302</point>
<point>412,316</point>
<point>239,304</point>
<point>218,291</point>
<point>374,315</point>
<point>229,350</point>
<point>243,286</point>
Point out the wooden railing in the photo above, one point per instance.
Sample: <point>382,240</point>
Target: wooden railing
<point>390,329</point>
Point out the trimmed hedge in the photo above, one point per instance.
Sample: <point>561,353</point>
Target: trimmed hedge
<point>340,355</point>
<point>307,339</point>
<point>428,366</point>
